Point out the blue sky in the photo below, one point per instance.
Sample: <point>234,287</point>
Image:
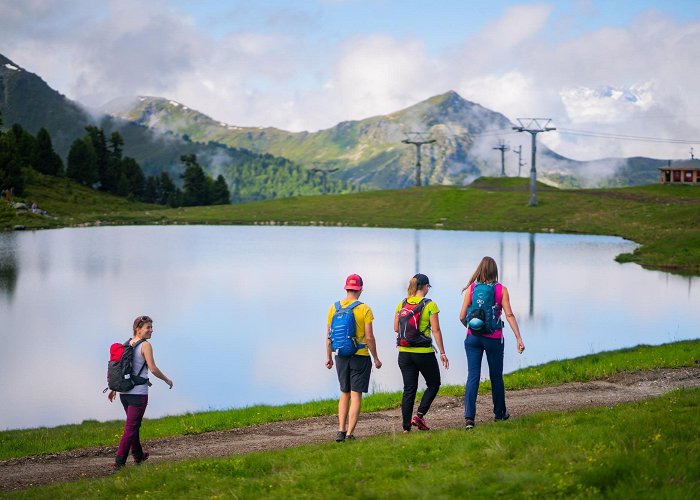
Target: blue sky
<point>613,67</point>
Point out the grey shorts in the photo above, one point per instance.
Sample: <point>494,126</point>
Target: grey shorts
<point>353,372</point>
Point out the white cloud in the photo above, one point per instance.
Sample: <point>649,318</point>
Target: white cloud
<point>525,63</point>
<point>606,104</point>
<point>513,93</point>
<point>379,75</point>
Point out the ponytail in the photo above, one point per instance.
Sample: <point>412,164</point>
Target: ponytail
<point>412,287</point>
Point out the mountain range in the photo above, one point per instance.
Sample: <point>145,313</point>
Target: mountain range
<point>27,100</point>
<point>372,152</point>
<point>375,153</point>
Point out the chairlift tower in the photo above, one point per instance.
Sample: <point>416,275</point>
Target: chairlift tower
<point>519,152</point>
<point>418,140</point>
<point>502,148</point>
<point>323,173</point>
<point>533,126</point>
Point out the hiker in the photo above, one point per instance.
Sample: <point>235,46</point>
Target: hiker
<point>416,323</point>
<point>135,401</point>
<point>353,369</point>
<point>485,334</point>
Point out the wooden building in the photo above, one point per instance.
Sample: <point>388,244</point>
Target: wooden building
<point>681,172</point>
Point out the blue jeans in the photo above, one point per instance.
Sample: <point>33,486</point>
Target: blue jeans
<point>475,346</point>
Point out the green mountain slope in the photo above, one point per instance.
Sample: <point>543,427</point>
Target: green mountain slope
<point>371,151</point>
<point>26,99</point>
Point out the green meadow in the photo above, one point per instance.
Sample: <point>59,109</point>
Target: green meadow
<point>663,219</point>
<point>647,449</point>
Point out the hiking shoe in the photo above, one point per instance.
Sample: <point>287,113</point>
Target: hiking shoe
<point>141,460</point>
<point>116,468</point>
<point>340,437</point>
<point>350,437</point>
<point>420,423</point>
<point>468,423</point>
<point>504,417</point>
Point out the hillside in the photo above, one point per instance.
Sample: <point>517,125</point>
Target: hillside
<point>26,99</point>
<point>371,152</point>
<point>263,163</point>
<point>640,214</point>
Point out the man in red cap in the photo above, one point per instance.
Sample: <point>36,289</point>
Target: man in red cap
<point>353,370</point>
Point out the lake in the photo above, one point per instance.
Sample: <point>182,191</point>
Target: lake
<point>240,311</point>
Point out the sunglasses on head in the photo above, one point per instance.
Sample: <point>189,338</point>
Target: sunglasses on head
<point>144,319</point>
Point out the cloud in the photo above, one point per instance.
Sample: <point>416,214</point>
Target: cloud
<point>380,74</point>
<point>285,71</point>
<point>629,80</point>
<point>606,104</point>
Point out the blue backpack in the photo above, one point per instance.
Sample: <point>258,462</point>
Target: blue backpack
<point>342,331</point>
<point>484,313</point>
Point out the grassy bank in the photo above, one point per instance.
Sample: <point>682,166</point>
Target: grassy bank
<point>624,451</point>
<point>17,443</point>
<point>663,219</point>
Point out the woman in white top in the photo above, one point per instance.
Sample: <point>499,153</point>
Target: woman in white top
<point>136,400</point>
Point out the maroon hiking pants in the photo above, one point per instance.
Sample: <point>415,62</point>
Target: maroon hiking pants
<point>134,406</point>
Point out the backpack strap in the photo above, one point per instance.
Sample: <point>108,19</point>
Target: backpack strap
<point>423,302</point>
<point>498,298</point>
<point>144,360</point>
<point>350,307</point>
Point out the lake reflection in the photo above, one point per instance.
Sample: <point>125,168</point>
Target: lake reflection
<point>240,311</point>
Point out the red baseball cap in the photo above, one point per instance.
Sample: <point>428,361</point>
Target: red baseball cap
<point>353,282</point>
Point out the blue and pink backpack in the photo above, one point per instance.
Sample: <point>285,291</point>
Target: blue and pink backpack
<point>484,313</point>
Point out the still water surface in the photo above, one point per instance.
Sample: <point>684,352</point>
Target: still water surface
<point>240,311</point>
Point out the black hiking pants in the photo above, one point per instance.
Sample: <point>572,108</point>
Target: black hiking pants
<point>412,364</point>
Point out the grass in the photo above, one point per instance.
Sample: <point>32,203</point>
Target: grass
<point>25,442</point>
<point>622,451</point>
<point>662,218</point>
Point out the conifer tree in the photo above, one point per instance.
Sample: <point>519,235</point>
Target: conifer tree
<point>168,193</point>
<point>196,184</point>
<point>11,176</point>
<point>46,160</point>
<point>220,194</point>
<point>82,162</point>
<point>134,178</point>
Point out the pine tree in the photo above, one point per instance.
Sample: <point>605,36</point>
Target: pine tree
<point>135,179</point>
<point>168,193</point>
<point>45,159</point>
<point>82,162</point>
<point>150,190</point>
<point>196,187</point>
<point>220,194</point>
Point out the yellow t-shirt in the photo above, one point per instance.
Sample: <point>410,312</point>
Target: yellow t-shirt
<point>429,309</point>
<point>363,315</point>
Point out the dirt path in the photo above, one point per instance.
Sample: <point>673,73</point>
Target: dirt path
<point>446,412</point>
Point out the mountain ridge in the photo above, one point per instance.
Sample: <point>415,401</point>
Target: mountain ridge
<point>370,153</point>
<point>371,150</point>
<point>26,99</point>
